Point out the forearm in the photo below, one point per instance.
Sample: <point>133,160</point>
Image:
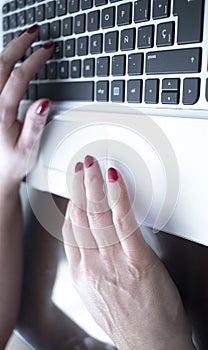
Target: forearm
<point>10,258</point>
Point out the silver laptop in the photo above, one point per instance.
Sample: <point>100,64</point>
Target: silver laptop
<point>129,85</point>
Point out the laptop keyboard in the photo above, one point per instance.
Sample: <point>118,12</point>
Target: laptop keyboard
<point>140,52</point>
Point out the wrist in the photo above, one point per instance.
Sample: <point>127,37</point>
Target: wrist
<point>9,187</point>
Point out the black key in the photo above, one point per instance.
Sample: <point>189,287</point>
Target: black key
<point>50,10</point>
<point>100,2</point>
<point>165,34</point>
<point>82,46</point>
<point>86,4</point>
<point>161,8</point>
<point>73,6</point>
<point>117,90</point>
<point>14,21</point>
<point>174,61</point>
<point>118,65</point>
<point>128,39</point>
<point>40,13</point>
<point>44,32</point>
<point>96,44</point>
<point>67,91</point>
<point>134,91</point>
<point>135,64</point>
<point>108,17</point>
<point>76,69</point>
<point>102,91</point>
<point>64,70</point>
<point>30,16</point>
<point>21,4</point>
<point>190,20</point>
<point>79,24</point>
<point>103,66</point>
<point>42,74</point>
<point>7,38</point>
<point>13,5</point>
<point>52,70</point>
<point>30,2</point>
<point>67,26</point>
<point>141,11</point>
<point>207,90</point>
<point>93,21</point>
<point>145,37</point>
<point>70,48</point>
<point>191,90</point>
<point>58,50</point>
<point>6,23</point>
<point>111,42</point>
<point>89,67</point>
<point>55,29</point>
<point>61,7</point>
<point>124,14</point>
<point>170,84</point>
<point>32,92</point>
<point>170,97</point>
<point>151,91</point>
<point>5,9</point>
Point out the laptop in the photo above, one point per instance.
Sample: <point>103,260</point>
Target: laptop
<point>129,85</point>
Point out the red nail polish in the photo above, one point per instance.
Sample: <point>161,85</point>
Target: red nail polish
<point>43,108</point>
<point>112,175</point>
<point>88,162</point>
<point>78,167</point>
<point>33,29</point>
<point>48,45</point>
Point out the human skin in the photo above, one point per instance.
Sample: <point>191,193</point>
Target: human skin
<point>16,145</point>
<point>121,280</point>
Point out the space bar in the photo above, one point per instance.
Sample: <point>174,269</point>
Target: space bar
<point>67,91</point>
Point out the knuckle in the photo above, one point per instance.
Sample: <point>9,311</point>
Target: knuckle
<point>17,75</point>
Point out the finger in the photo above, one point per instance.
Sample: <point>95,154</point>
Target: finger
<point>98,211</point>
<point>14,51</point>
<point>16,85</point>
<point>70,244</point>
<point>123,217</point>
<point>78,215</point>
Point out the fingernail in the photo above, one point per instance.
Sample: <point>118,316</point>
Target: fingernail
<point>48,45</point>
<point>24,31</point>
<point>43,108</point>
<point>88,162</point>
<point>78,167</point>
<point>33,29</point>
<point>112,175</point>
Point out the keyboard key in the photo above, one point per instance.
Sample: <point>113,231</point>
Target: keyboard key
<point>108,17</point>
<point>190,20</point>
<point>55,29</point>
<point>103,65</point>
<point>42,74</point>
<point>40,13</point>
<point>32,92</point>
<point>111,42</point>
<point>63,70</point>
<point>165,34</point>
<point>30,16</point>
<point>67,91</point>
<point>7,38</point>
<point>73,6</point>
<point>100,2</point>
<point>52,70</point>
<point>134,91</point>
<point>50,10</point>
<point>13,5</point>
<point>117,90</point>
<point>67,26</point>
<point>30,2</point>
<point>135,64</point>
<point>79,24</point>
<point>21,19</point>
<point>20,4</point>
<point>82,46</point>
<point>58,50</point>
<point>102,91</point>
<point>151,91</point>
<point>141,11</point>
<point>70,48</point>
<point>170,97</point>
<point>128,39</point>
<point>6,23</point>
<point>124,14</point>
<point>89,67</point>
<point>86,4</point>
<point>76,69</point>
<point>93,21</point>
<point>61,7</point>
<point>191,90</point>
<point>145,37</point>
<point>96,44</point>
<point>44,32</point>
<point>5,9</point>
<point>118,65</point>
<point>171,84</point>
<point>161,8</point>
<point>14,21</point>
<point>174,61</point>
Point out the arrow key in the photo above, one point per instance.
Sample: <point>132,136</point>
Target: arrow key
<point>191,91</point>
